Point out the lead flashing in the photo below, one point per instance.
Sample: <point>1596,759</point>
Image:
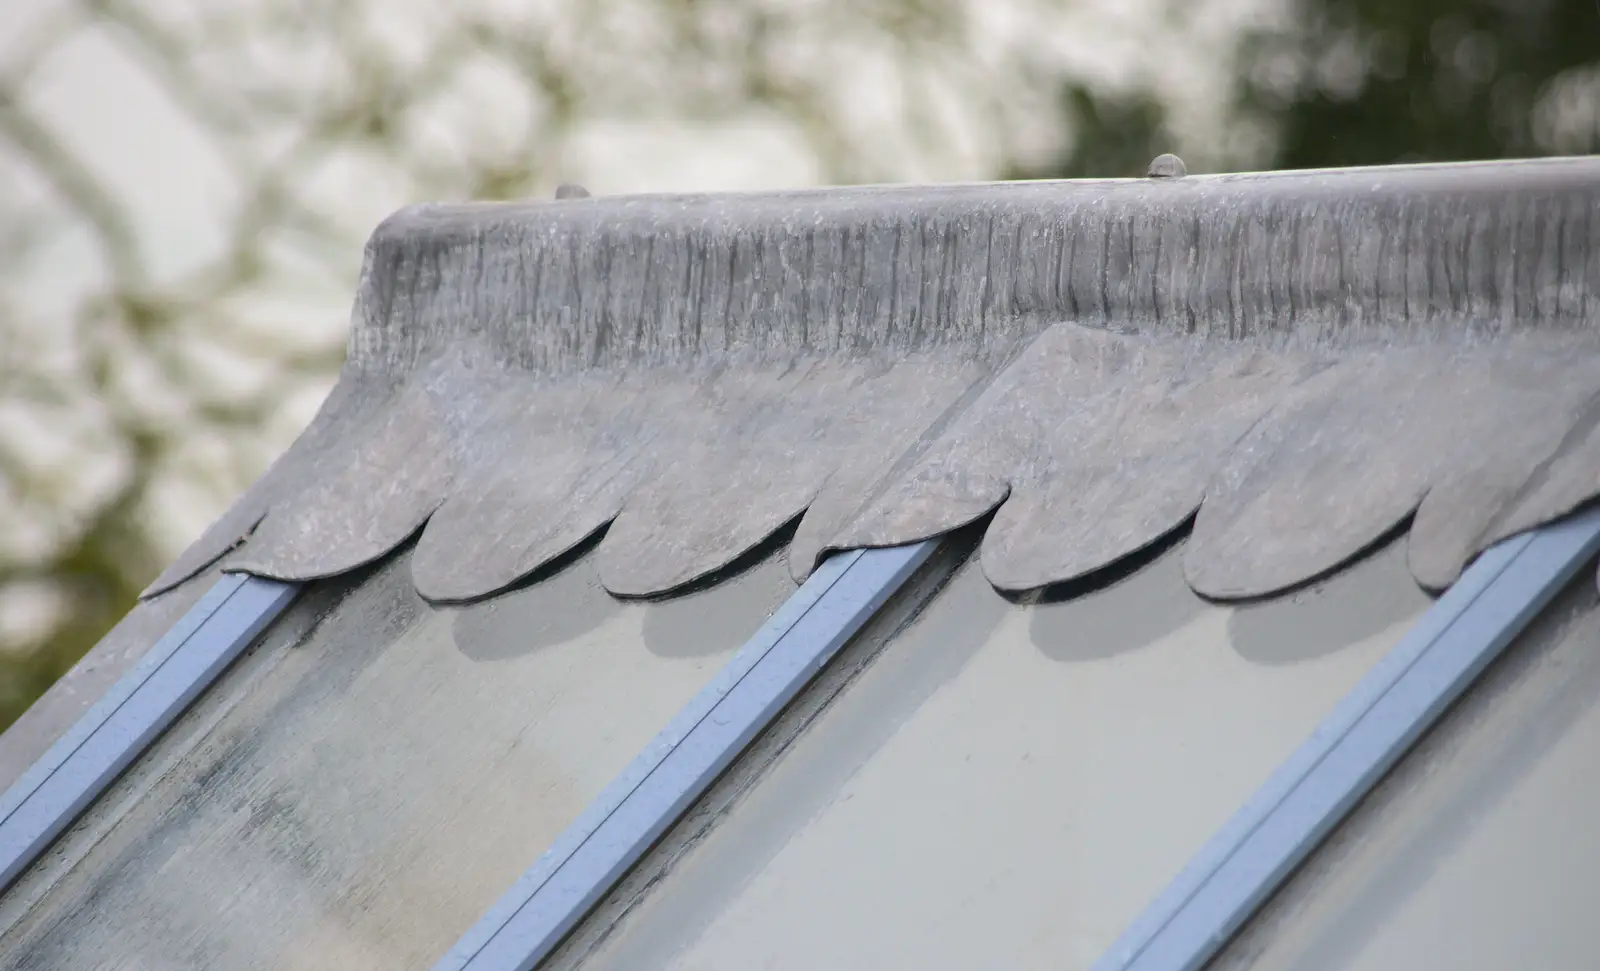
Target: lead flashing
<point>1300,360</point>
<point>1333,254</point>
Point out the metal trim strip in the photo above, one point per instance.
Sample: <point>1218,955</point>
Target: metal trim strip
<point>137,709</point>
<point>1371,729</point>
<point>587,860</point>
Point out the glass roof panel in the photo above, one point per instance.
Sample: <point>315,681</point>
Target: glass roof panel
<point>1008,785</point>
<point>356,797</point>
<point>1480,850</point>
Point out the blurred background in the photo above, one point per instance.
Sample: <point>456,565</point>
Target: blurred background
<point>185,185</point>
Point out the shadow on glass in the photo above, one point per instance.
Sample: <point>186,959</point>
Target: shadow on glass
<point>1004,784</point>
<point>1479,851</point>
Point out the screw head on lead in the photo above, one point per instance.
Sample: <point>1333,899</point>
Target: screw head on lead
<point>1167,166</point>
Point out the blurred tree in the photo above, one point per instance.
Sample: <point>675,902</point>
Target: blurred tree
<point>185,186</point>
<point>1372,82</point>
<point>1365,82</point>
<point>1115,134</point>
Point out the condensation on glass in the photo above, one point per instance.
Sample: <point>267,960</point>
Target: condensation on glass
<point>1008,785</point>
<point>356,797</point>
<point>1480,851</point>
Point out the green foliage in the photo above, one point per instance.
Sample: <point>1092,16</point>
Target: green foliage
<point>1368,82</point>
<point>100,592</point>
<point>1375,82</point>
<point>1113,136</point>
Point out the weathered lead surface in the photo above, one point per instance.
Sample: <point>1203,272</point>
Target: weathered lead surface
<point>731,464</point>
<point>1124,467</point>
<point>336,425</point>
<point>882,430</point>
<point>547,468</point>
<point>1300,360</point>
<point>1345,457</point>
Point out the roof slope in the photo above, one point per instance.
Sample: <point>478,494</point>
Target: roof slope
<point>1303,359</point>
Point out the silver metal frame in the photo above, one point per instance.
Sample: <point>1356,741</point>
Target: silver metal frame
<point>677,767</point>
<point>138,708</point>
<point>1370,730</point>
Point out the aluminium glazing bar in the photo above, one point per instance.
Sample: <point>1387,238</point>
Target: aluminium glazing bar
<point>137,709</point>
<point>1370,730</point>
<point>683,761</point>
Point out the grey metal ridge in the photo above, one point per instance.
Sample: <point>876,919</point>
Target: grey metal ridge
<point>527,923</point>
<point>137,709</point>
<point>651,278</point>
<point>619,332</point>
<point>1370,730</point>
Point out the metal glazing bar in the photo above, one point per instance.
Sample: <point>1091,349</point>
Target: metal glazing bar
<point>136,710</point>
<point>684,760</point>
<point>1344,758</point>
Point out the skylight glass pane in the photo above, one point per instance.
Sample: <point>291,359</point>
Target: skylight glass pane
<point>358,799</point>
<point>1480,851</point>
<point>1008,785</point>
